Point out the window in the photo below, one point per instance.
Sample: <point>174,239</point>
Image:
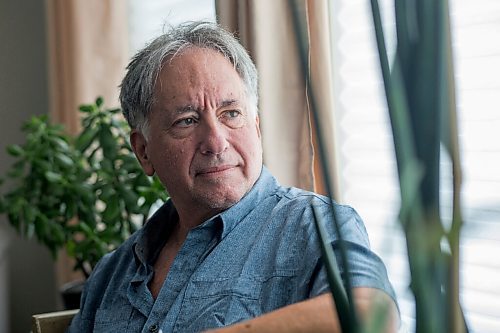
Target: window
<point>147,18</point>
<point>368,169</point>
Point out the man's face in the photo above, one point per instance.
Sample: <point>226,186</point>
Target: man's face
<point>203,141</point>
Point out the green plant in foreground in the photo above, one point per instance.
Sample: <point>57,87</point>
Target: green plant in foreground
<point>421,102</point>
<point>85,193</point>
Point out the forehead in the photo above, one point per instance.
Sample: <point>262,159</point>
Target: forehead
<point>194,55</point>
<point>198,71</point>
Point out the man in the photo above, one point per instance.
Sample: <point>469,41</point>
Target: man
<point>231,245</point>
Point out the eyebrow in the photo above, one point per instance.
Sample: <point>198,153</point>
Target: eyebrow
<point>191,108</point>
<point>185,109</point>
<point>228,102</point>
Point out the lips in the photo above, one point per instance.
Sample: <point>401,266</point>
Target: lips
<point>213,170</point>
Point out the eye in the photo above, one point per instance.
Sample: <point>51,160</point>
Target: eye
<point>232,118</point>
<point>233,113</point>
<point>185,122</point>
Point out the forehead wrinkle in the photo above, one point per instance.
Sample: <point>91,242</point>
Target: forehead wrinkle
<point>190,108</point>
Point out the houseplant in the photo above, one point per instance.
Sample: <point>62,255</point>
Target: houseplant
<point>84,193</point>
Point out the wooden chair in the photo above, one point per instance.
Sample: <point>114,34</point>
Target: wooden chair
<point>52,322</point>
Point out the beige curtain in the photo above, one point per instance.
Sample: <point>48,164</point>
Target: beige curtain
<point>266,29</point>
<point>88,52</point>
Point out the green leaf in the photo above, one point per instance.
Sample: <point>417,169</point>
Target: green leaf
<point>99,101</point>
<point>29,215</point>
<point>58,234</point>
<point>114,111</point>
<point>85,228</point>
<point>107,142</point>
<point>112,210</point>
<point>86,108</point>
<point>15,150</point>
<point>41,164</point>
<point>64,160</point>
<point>70,247</point>
<point>85,139</point>
<point>71,209</point>
<point>130,162</point>
<point>107,192</point>
<point>60,143</point>
<point>53,177</point>
<point>131,199</point>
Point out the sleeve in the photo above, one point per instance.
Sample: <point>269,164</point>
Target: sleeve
<point>78,323</point>
<point>365,268</point>
<point>83,321</point>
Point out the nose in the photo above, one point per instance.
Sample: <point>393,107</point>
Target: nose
<point>213,138</point>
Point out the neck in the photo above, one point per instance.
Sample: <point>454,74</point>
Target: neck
<point>189,219</point>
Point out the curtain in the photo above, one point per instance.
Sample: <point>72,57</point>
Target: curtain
<point>266,29</point>
<point>88,52</point>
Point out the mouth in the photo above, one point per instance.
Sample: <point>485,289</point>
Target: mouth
<point>214,171</point>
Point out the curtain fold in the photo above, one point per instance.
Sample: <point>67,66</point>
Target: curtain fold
<point>88,52</point>
<point>266,29</point>
<point>321,71</point>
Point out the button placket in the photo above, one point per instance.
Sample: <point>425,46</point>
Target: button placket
<point>154,328</point>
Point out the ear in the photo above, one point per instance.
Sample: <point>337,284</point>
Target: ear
<point>140,148</point>
<point>257,121</point>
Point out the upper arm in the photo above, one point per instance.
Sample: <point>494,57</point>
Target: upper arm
<point>373,304</point>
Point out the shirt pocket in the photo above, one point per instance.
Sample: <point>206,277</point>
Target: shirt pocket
<point>219,302</point>
<point>112,320</point>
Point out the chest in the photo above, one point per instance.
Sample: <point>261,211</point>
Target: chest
<point>162,267</point>
<point>213,282</point>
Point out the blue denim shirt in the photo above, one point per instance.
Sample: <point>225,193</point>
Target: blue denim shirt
<point>257,256</point>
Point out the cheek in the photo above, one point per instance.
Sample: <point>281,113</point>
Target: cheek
<point>249,145</point>
<point>173,156</point>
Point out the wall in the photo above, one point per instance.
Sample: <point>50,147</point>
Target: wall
<point>27,279</point>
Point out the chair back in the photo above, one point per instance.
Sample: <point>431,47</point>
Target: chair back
<point>52,322</point>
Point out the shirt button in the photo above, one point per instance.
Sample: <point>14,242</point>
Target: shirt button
<point>153,328</point>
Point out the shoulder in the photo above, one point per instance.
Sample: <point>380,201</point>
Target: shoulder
<point>113,263</point>
<point>109,272</point>
<point>305,207</point>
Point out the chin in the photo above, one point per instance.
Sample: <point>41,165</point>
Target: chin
<point>219,200</point>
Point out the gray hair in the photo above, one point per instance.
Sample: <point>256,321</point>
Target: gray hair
<point>136,94</point>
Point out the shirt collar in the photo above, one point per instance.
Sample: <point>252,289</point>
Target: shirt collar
<point>155,232</point>
<point>265,186</point>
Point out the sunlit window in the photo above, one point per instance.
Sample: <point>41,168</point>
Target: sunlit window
<point>368,169</point>
<point>147,19</point>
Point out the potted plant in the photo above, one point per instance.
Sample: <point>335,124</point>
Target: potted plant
<point>84,193</point>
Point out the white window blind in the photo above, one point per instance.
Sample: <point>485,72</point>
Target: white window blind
<point>368,178</point>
